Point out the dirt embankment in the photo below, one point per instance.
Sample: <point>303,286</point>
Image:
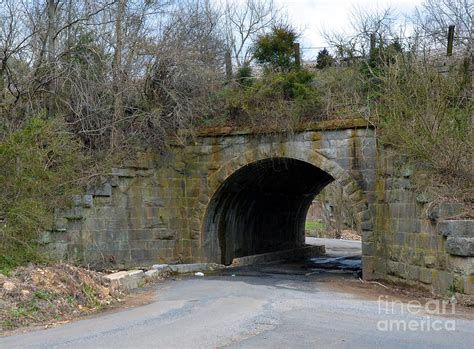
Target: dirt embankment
<point>54,294</point>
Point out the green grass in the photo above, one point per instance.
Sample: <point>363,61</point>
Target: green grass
<point>314,225</point>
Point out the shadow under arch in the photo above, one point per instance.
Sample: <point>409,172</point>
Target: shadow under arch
<point>261,206</point>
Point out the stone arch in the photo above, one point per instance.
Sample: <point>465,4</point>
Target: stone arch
<point>212,246</point>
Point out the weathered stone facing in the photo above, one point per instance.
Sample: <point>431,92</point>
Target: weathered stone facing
<point>457,228</point>
<point>152,209</point>
<point>411,236</point>
<point>460,246</point>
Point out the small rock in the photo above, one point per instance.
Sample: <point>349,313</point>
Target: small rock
<point>8,286</point>
<point>199,274</point>
<point>25,293</point>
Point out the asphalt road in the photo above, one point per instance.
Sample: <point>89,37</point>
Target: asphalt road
<point>305,305</point>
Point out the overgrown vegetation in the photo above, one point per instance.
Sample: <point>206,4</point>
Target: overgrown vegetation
<point>420,101</point>
<point>85,81</point>
<point>46,295</point>
<point>276,49</point>
<point>427,116</point>
<point>39,166</point>
<point>280,98</point>
<point>275,101</point>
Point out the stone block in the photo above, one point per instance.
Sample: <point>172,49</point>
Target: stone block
<point>161,267</point>
<point>429,261</point>
<point>397,183</point>
<point>413,272</point>
<point>76,200</point>
<point>400,238</point>
<point>73,213</point>
<point>445,210</point>
<point>102,190</point>
<point>368,249</point>
<point>44,238</point>
<point>426,275</point>
<point>463,265</point>
<point>153,202</point>
<point>424,226</point>
<point>57,250</point>
<point>443,281</point>
<point>144,173</point>
<point>88,201</point>
<point>469,284</point>
<point>460,246</point>
<point>457,228</point>
<point>338,134</point>
<point>60,224</point>
<point>195,267</point>
<point>367,226</point>
<point>127,280</point>
<point>329,153</point>
<point>424,198</point>
<point>392,267</point>
<point>152,274</point>
<point>406,225</point>
<point>423,241</point>
<point>406,171</point>
<point>157,271</point>
<point>365,215</point>
<point>369,267</point>
<point>312,136</point>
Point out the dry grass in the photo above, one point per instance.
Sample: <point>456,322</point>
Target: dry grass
<point>35,295</point>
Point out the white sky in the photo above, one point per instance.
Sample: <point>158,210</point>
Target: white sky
<point>312,16</point>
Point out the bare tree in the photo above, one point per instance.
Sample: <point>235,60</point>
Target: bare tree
<point>244,22</point>
<point>114,70</point>
<point>433,18</point>
<point>365,25</point>
<point>188,66</point>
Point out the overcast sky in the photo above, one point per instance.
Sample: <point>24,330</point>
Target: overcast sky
<point>312,16</point>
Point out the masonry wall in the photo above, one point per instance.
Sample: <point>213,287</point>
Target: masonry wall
<point>416,240</point>
<point>152,209</point>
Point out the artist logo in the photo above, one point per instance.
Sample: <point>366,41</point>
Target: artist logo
<point>415,316</point>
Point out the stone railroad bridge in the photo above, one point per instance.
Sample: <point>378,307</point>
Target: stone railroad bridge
<point>224,193</point>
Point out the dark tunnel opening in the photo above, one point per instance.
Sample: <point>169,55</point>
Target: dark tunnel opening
<point>261,208</point>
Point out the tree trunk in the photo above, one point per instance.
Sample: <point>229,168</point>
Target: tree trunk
<point>52,6</point>
<point>117,73</point>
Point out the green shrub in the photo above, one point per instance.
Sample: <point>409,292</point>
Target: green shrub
<point>343,91</point>
<point>39,167</point>
<point>276,50</point>
<point>244,75</point>
<point>324,59</point>
<point>274,101</point>
<point>427,116</point>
